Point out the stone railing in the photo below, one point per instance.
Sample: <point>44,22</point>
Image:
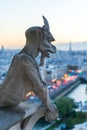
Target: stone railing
<point>23,117</point>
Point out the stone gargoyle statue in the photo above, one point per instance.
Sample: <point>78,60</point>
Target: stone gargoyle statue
<point>24,76</point>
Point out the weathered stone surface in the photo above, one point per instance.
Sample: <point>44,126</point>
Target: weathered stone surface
<point>24,76</point>
<point>31,121</point>
<point>11,116</point>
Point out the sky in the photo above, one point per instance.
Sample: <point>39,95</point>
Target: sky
<point>67,20</point>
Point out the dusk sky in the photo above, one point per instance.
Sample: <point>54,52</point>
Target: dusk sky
<point>67,20</point>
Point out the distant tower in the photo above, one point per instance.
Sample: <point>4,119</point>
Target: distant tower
<point>70,47</point>
<point>70,53</point>
<point>2,48</point>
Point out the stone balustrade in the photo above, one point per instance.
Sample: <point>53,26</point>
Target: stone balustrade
<point>23,117</point>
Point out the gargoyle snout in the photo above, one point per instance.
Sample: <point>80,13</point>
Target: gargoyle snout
<point>52,49</point>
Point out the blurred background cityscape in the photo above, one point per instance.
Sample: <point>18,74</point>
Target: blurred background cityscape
<point>59,72</point>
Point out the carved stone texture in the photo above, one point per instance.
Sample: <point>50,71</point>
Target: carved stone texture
<point>30,122</point>
<point>12,117</point>
<point>9,117</point>
<point>23,75</point>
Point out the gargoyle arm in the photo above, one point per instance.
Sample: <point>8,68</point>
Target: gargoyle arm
<point>38,86</point>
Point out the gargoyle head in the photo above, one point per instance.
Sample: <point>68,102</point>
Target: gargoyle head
<point>46,47</point>
<point>39,40</point>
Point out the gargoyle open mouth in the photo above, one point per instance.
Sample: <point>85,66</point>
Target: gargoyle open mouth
<point>52,49</point>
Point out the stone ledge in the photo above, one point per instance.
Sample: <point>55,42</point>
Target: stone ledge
<point>13,116</point>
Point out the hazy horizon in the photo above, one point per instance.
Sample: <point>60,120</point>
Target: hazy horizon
<point>74,46</point>
<point>63,46</point>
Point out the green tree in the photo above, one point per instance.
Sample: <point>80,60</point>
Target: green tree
<point>65,106</point>
<point>67,113</point>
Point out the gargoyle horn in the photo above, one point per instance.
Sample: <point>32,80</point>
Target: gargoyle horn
<point>46,24</point>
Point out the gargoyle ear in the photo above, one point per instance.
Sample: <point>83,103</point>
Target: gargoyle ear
<point>39,33</point>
